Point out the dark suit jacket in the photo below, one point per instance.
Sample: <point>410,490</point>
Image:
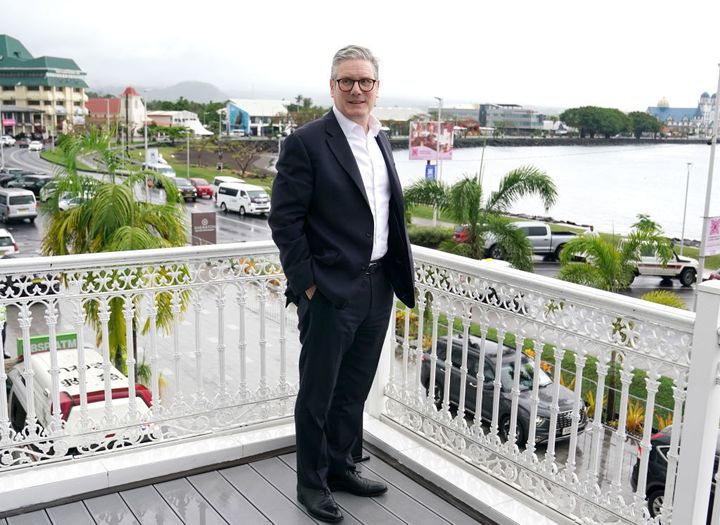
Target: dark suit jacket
<point>321,220</point>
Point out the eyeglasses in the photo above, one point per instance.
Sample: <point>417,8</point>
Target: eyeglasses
<point>347,84</point>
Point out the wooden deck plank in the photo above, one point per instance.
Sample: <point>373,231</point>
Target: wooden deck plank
<point>365,510</point>
<point>265,497</point>
<point>283,478</point>
<point>39,517</point>
<point>423,496</point>
<point>188,503</point>
<point>229,503</point>
<point>149,506</point>
<point>71,514</point>
<point>110,510</point>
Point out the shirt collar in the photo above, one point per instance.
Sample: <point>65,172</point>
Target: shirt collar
<point>348,125</point>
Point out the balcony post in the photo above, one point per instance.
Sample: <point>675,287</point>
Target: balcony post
<point>702,412</point>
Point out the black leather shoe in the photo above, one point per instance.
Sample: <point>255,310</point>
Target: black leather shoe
<point>319,504</point>
<point>351,481</point>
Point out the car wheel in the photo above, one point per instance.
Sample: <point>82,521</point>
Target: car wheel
<point>504,430</point>
<point>496,251</point>
<point>32,220</point>
<point>687,277</point>
<point>223,207</point>
<point>655,501</point>
<point>558,251</point>
<point>194,199</point>
<point>241,211</point>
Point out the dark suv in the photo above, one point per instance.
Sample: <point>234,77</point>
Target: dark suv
<point>657,472</point>
<point>566,398</point>
<point>32,182</point>
<point>185,188</point>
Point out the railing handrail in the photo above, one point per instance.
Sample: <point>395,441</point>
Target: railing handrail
<point>599,299</point>
<point>158,255</point>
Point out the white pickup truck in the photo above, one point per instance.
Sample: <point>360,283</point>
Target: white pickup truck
<point>543,240</point>
<point>684,269</point>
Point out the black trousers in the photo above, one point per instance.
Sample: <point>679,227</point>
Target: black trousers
<point>338,360</point>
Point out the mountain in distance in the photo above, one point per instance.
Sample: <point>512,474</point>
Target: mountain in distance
<point>192,90</point>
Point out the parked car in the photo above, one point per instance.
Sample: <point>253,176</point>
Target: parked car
<point>461,234</point>
<point>657,472</point>
<point>566,398</point>
<point>17,203</point>
<point>67,360</point>
<point>185,188</point>
<point>35,145</point>
<point>543,240</point>
<point>33,182</point>
<point>203,188</point>
<point>684,269</point>
<point>67,201</point>
<point>7,140</point>
<point>22,143</point>
<point>8,174</point>
<point>7,243</point>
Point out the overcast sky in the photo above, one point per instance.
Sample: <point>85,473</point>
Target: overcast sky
<point>625,54</point>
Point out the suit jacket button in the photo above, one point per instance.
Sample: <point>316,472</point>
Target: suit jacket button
<point>363,267</point>
<point>368,235</point>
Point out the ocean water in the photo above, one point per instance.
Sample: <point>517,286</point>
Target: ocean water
<point>606,186</point>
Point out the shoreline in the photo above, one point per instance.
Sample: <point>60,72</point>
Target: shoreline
<point>401,143</point>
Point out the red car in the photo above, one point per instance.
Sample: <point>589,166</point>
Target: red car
<point>204,189</point>
<point>461,234</point>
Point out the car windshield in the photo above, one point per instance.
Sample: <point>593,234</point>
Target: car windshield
<point>22,199</point>
<point>257,193</point>
<point>527,372</point>
<point>180,181</point>
<point>199,182</point>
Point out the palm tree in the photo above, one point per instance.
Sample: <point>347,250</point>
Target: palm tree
<point>609,266</point>
<point>108,217</point>
<point>465,202</point>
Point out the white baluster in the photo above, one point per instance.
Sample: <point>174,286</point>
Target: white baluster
<point>559,354</point>
<point>597,426</point>
<point>497,383</point>
<point>25,321</point>
<point>673,454</point>
<point>241,299</point>
<point>51,319</point>
<point>463,369</point>
<point>263,390</point>
<point>652,384</point>
<point>406,350</point>
<point>448,362</point>
<point>154,362</point>
<point>480,387</point>
<point>433,352</point>
<point>419,354</point>
<point>620,435</point>
<point>534,398</point>
<point>175,308</point>
<point>104,317</point>
<point>199,379</point>
<point>129,316</point>
<point>4,415</point>
<point>515,391</point>
<point>580,361</point>
<point>283,382</point>
<point>220,303</point>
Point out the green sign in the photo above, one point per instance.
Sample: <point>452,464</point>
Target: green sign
<point>39,343</point>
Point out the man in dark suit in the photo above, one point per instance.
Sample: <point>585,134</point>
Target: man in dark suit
<point>337,217</point>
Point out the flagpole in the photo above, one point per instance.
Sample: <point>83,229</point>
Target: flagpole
<point>708,191</point>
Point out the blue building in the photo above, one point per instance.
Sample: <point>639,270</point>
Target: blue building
<point>686,121</point>
<point>257,117</point>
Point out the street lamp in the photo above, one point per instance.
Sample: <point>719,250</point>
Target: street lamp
<point>438,161</point>
<point>687,185</point>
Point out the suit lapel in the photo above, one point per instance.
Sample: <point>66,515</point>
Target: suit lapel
<point>339,146</point>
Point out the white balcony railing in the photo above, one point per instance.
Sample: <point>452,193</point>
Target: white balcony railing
<point>221,348</point>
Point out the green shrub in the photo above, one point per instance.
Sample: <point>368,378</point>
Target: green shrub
<point>451,246</point>
<point>429,237</point>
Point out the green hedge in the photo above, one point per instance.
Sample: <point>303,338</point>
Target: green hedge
<point>429,237</point>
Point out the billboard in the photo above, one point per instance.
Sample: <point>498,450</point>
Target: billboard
<point>424,137</point>
<point>712,243</point>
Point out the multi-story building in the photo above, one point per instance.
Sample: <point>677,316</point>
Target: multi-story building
<point>506,117</point>
<point>686,121</point>
<point>47,91</point>
<point>254,116</point>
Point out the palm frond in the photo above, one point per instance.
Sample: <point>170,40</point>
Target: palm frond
<point>522,182</point>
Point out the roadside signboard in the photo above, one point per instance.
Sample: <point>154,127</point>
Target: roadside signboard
<point>712,243</point>
<point>424,137</point>
<point>39,343</point>
<point>152,157</point>
<point>203,227</point>
<point>430,172</point>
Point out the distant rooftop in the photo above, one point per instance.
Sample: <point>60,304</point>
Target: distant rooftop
<point>18,66</point>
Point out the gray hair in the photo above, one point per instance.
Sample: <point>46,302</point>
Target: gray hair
<point>353,53</point>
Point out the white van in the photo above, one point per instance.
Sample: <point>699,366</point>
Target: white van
<point>219,180</point>
<point>163,169</point>
<point>17,203</point>
<point>70,394</point>
<point>243,198</point>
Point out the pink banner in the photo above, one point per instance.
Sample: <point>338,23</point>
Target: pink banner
<point>423,140</point>
<point>8,122</point>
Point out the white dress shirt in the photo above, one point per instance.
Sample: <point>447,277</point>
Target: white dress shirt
<point>374,173</point>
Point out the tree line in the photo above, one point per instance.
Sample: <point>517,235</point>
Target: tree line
<point>608,122</point>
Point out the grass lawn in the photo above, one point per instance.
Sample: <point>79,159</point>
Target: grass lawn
<point>56,156</point>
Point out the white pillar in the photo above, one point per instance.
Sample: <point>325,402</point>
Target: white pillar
<point>702,412</point>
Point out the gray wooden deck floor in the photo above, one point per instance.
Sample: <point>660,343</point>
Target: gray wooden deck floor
<point>255,493</point>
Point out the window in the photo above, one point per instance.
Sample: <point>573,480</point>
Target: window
<point>8,88</point>
<point>228,191</point>
<point>21,199</point>
<point>76,90</point>
<point>537,231</point>
<point>33,88</point>
<point>33,102</point>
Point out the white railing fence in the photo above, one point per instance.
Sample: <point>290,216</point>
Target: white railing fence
<point>571,445</point>
<point>204,342</point>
